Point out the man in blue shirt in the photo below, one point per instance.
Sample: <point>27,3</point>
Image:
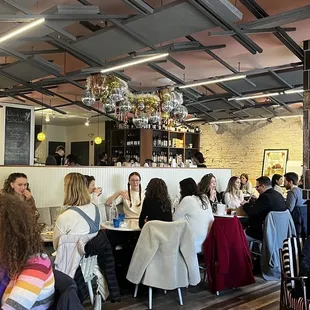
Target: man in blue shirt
<point>295,203</point>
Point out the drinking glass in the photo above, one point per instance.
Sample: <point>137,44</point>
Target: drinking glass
<point>116,223</point>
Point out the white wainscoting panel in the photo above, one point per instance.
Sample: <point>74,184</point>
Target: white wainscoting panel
<point>47,185</point>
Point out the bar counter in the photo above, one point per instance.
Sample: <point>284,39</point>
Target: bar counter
<point>46,183</point>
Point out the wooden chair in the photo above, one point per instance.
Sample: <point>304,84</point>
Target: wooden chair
<point>289,259</point>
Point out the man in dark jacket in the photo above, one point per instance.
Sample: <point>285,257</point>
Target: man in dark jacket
<point>269,200</point>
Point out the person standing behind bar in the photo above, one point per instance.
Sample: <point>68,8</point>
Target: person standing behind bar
<point>60,155</point>
<point>295,203</point>
<point>17,184</point>
<point>199,160</point>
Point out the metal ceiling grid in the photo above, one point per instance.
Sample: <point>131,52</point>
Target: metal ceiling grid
<point>166,23</point>
<point>163,25</point>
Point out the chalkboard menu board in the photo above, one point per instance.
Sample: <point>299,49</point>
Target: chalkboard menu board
<point>17,136</point>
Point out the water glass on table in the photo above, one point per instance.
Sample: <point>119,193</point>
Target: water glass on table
<point>116,222</point>
<point>121,217</point>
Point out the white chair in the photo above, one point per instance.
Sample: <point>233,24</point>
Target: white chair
<point>151,295</point>
<point>87,265</point>
<point>164,258</point>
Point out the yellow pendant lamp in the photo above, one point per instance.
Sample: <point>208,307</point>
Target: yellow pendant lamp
<point>98,139</point>
<point>41,136</point>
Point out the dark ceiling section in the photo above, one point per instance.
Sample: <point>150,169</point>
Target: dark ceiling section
<point>147,29</point>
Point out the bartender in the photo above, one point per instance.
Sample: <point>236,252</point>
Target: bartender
<point>58,159</point>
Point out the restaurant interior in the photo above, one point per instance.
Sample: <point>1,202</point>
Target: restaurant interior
<point>145,105</point>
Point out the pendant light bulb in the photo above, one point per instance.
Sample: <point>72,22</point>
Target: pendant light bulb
<point>41,136</point>
<point>47,118</point>
<point>87,122</point>
<point>98,140</point>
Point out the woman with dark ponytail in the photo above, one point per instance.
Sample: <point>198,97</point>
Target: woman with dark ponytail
<point>132,198</point>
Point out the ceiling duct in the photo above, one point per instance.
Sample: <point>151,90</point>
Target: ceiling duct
<point>166,23</point>
<point>141,6</point>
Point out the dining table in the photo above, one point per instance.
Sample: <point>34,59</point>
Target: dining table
<point>230,215</point>
<point>129,224</point>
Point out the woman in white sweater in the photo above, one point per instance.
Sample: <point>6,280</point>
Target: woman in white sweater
<point>233,196</point>
<point>81,216</point>
<point>194,208</point>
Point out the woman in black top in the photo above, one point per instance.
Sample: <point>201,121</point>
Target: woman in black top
<point>156,204</point>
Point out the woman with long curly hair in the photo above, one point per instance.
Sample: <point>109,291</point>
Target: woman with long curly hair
<point>195,208</point>
<point>22,259</point>
<point>156,204</point>
<point>17,184</point>
<point>207,186</point>
<point>132,198</point>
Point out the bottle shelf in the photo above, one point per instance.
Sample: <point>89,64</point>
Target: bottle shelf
<point>146,149</point>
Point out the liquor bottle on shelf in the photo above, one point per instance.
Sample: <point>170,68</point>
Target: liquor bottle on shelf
<point>155,141</point>
<point>132,139</point>
<point>127,156</point>
<point>170,158</point>
<point>159,125</point>
<point>128,140</point>
<point>153,126</point>
<point>135,141</point>
<point>154,157</point>
<point>159,142</point>
<point>197,129</point>
<point>170,143</point>
<point>165,158</point>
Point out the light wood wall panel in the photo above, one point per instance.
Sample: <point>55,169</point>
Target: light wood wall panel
<point>46,183</point>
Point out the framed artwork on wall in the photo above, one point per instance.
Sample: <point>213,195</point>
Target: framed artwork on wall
<point>274,162</point>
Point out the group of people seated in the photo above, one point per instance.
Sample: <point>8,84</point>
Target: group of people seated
<point>22,254</point>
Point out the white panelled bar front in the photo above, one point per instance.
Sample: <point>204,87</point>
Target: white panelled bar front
<point>47,186</point>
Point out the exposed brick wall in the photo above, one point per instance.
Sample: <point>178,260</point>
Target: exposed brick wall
<point>241,146</point>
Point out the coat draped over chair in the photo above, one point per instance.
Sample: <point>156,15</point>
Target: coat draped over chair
<point>227,255</point>
<point>165,256</point>
<point>278,227</point>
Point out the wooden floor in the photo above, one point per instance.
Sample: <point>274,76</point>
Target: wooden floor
<point>261,295</point>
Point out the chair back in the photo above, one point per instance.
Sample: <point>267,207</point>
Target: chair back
<point>278,227</point>
<point>165,256</point>
<point>291,252</point>
<point>87,265</point>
